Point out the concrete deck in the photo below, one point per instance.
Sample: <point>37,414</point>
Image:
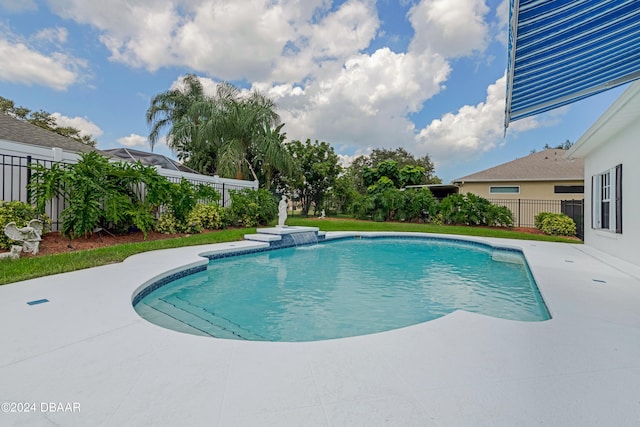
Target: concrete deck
<point>86,350</point>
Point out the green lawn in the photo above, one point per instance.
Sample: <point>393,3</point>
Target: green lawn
<point>32,267</point>
<point>355,225</point>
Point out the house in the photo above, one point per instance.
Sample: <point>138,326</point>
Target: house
<point>19,138</point>
<point>543,175</point>
<point>543,181</point>
<point>23,144</point>
<point>146,158</point>
<point>611,152</point>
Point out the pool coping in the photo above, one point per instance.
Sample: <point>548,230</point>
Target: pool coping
<point>87,345</point>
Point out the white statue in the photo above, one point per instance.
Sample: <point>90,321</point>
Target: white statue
<point>30,235</point>
<point>282,211</point>
<point>322,215</point>
<point>14,253</point>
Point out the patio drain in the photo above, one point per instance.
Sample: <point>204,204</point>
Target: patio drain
<point>38,301</point>
<point>599,281</point>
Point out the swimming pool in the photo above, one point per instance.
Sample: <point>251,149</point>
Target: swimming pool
<point>345,288</point>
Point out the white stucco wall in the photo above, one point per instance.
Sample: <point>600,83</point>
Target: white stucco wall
<point>623,148</point>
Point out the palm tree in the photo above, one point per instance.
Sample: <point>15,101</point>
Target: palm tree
<point>237,130</point>
<point>272,156</point>
<point>170,107</point>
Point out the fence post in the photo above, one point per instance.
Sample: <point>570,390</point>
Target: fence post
<point>28,179</point>
<point>223,195</point>
<point>519,212</point>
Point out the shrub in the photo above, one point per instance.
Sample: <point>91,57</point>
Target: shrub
<point>116,196</point>
<point>499,216</point>
<point>419,205</point>
<point>386,203</point>
<point>209,216</point>
<point>558,225</point>
<point>453,209</point>
<point>169,224</point>
<point>183,198</point>
<point>470,209</point>
<point>537,220</point>
<point>20,213</point>
<point>250,208</point>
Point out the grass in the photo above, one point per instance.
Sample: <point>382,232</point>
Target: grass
<point>355,225</point>
<point>46,265</point>
<point>32,267</point>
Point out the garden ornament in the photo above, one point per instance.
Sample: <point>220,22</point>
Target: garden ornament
<point>30,235</point>
<point>14,253</point>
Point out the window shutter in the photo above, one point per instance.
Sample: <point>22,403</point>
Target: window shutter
<point>594,202</point>
<point>618,201</point>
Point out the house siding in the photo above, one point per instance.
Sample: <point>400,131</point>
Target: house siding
<point>622,149</point>
<point>531,190</point>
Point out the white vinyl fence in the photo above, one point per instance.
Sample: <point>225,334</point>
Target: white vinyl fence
<point>15,174</point>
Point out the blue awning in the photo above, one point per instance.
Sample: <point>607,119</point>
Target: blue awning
<point>561,51</point>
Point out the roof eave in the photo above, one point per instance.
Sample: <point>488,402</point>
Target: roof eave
<point>483,180</point>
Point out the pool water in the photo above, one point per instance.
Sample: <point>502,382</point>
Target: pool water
<point>345,288</point>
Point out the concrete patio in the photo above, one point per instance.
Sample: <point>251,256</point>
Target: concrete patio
<point>88,353</point>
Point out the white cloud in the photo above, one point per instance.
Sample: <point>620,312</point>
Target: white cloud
<point>311,57</point>
<point>84,125</point>
<point>502,13</point>
<point>345,160</point>
<point>452,28</point>
<point>366,104</point>
<point>18,5</point>
<point>208,85</point>
<point>472,130</point>
<point>133,140</point>
<point>475,129</point>
<point>255,39</point>
<point>52,35</point>
<point>56,70</point>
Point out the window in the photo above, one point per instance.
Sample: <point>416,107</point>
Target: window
<point>505,190</point>
<point>568,189</point>
<point>606,197</point>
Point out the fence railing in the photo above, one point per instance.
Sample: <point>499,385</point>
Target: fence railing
<point>15,172</point>
<point>15,175</point>
<point>525,210</point>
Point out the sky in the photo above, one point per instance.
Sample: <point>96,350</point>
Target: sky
<point>425,75</point>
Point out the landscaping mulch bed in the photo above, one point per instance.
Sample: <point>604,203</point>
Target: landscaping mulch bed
<point>54,242</point>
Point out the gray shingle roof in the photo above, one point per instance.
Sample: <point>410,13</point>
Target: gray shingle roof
<point>12,129</point>
<point>546,165</point>
<point>146,158</point>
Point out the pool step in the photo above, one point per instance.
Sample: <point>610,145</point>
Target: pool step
<point>507,256</point>
<point>203,320</point>
<point>161,313</point>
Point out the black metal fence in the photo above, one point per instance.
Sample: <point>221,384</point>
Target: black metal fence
<point>524,210</point>
<point>575,210</point>
<point>223,188</point>
<point>15,172</point>
<point>15,175</point>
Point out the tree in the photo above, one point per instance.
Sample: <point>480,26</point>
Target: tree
<point>316,172</point>
<point>564,146</point>
<point>363,170</point>
<point>403,158</point>
<point>229,133</point>
<point>342,194</point>
<point>172,106</point>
